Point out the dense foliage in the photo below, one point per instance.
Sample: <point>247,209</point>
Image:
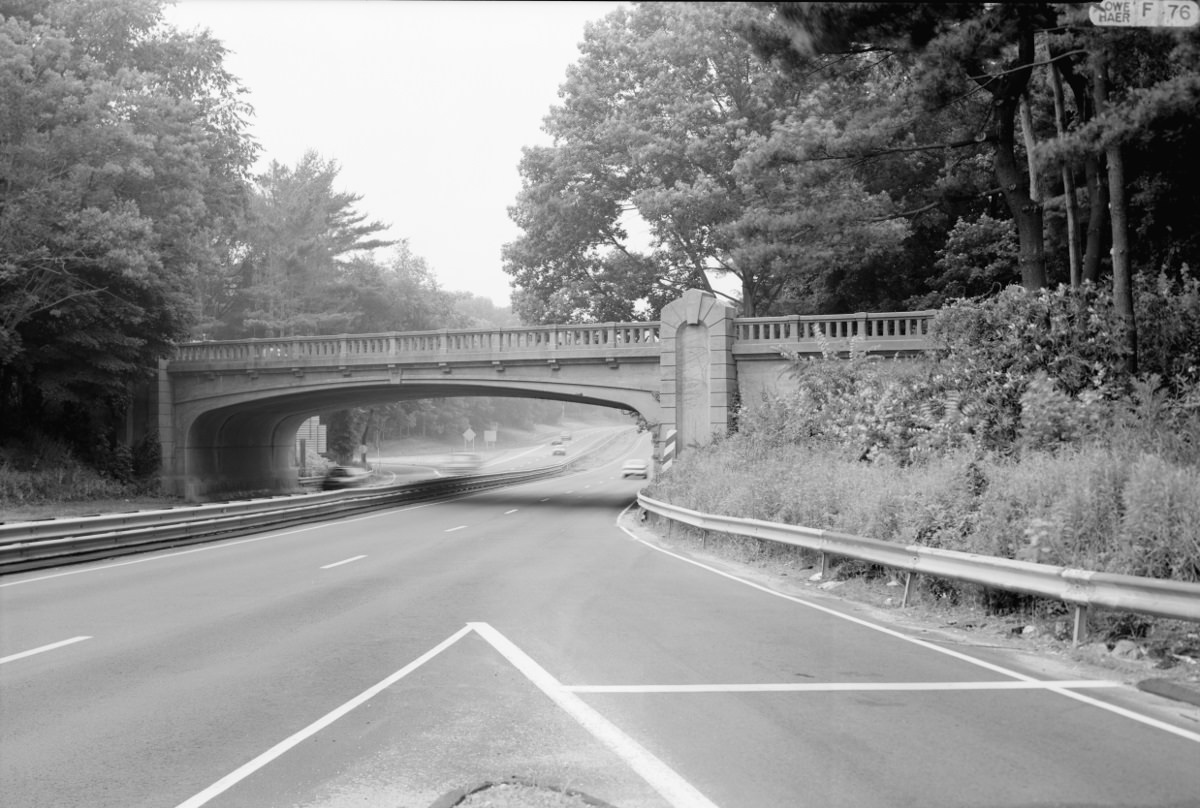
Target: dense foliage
<point>123,160</point>
<point>1021,438</point>
<point>130,219</point>
<point>834,157</point>
<point>670,115</point>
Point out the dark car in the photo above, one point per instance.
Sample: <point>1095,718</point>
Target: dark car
<point>635,468</point>
<point>345,477</point>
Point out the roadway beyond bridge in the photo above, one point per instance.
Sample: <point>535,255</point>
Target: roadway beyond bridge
<point>228,412</point>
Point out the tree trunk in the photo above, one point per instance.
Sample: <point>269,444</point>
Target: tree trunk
<point>749,289</point>
<point>1035,180</point>
<point>1025,211</point>
<point>1097,188</point>
<point>1097,214</point>
<point>1070,203</point>
<point>1118,215</point>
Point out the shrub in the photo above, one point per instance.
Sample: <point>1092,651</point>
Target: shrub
<point>1159,533</point>
<point>1168,313</point>
<point>147,457</point>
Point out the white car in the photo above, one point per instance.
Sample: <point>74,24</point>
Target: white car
<point>635,468</point>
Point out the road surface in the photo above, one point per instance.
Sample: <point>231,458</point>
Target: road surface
<point>386,660</point>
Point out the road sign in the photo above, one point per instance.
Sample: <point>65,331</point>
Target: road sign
<point>1145,13</point>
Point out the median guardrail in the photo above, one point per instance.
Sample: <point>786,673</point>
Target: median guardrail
<point>54,542</point>
<point>1082,589</point>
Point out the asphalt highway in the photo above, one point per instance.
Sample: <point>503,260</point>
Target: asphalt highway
<point>388,659</point>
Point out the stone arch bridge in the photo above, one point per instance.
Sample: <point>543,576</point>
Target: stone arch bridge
<point>228,412</point>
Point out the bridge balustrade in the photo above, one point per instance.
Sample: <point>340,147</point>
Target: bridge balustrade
<point>888,331</point>
<point>910,327</point>
<point>424,344</point>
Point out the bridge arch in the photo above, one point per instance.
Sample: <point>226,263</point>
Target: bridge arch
<point>248,444</point>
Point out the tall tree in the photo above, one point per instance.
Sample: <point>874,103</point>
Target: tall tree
<point>956,49</point>
<point>302,235</point>
<point>1138,94</point>
<point>666,115</point>
<point>123,156</point>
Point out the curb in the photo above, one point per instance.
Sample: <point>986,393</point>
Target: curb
<point>1171,690</point>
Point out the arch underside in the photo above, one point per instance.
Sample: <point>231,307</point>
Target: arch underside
<point>248,446</point>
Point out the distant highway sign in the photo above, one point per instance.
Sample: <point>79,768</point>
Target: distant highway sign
<point>1145,13</point>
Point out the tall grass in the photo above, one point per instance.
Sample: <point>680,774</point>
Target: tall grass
<point>66,483</point>
<point>1090,507</point>
<point>43,470</point>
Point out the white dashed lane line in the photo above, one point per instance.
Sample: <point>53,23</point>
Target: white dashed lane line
<point>42,649</point>
<point>343,561</point>
<point>513,510</point>
<point>452,529</point>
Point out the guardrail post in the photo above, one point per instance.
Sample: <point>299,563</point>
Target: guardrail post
<point>907,588</point>
<point>1080,630</point>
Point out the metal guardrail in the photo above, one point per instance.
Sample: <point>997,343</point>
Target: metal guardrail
<point>55,542</point>
<point>1082,589</point>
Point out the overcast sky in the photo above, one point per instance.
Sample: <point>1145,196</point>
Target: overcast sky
<point>424,104</point>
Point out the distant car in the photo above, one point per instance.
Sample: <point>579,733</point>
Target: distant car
<point>635,468</point>
<point>559,450</point>
<point>340,477</point>
<point>462,463</point>
<point>565,436</point>
<point>556,442</point>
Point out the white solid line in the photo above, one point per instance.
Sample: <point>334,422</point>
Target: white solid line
<point>673,788</point>
<point>452,529</point>
<point>278,749</point>
<point>1112,708</point>
<point>514,510</point>
<point>837,687</point>
<point>42,649</point>
<point>345,561</point>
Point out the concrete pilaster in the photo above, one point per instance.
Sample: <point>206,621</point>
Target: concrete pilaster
<point>698,375</point>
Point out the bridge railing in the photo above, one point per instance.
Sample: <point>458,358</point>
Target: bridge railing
<point>593,338</point>
<point>898,331</point>
<point>806,333</point>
